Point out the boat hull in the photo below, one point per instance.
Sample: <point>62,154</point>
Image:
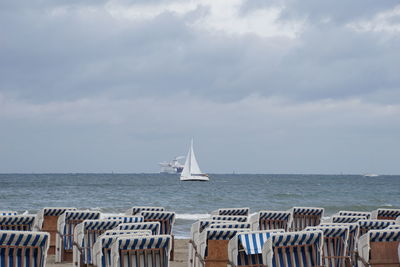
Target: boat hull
<point>196,178</point>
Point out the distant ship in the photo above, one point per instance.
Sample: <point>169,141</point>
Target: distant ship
<point>371,175</point>
<point>172,167</point>
<point>191,171</point>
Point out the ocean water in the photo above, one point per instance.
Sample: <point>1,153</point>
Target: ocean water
<point>115,193</point>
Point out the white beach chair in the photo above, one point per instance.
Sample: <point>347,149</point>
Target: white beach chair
<point>305,216</point>
<point>148,251</point>
<point>296,249</point>
<point>138,210</point>
<point>8,213</point>
<point>126,218</point>
<point>346,219</point>
<point>269,220</point>
<point>17,222</point>
<point>23,248</point>
<point>245,249</point>
<point>154,227</point>
<point>366,225</point>
<point>354,213</point>
<point>385,214</point>
<point>65,232</point>
<point>379,248</point>
<point>46,221</point>
<point>229,218</point>
<point>335,252</point>
<point>232,212</point>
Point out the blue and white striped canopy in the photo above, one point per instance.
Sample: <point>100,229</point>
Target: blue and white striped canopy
<point>153,226</point>
<point>331,231</point>
<point>137,210</point>
<point>229,218</point>
<point>81,215</point>
<point>101,224</point>
<point>55,211</point>
<point>297,238</point>
<point>386,235</point>
<point>221,234</point>
<point>346,219</point>
<point>273,215</point>
<point>355,213</point>
<point>12,222</point>
<point>8,213</point>
<point>307,211</point>
<point>232,212</point>
<point>253,242</point>
<point>230,226</point>
<point>127,232</point>
<point>144,242</point>
<point>394,226</point>
<point>391,213</point>
<point>375,224</point>
<point>23,238</point>
<point>159,215</point>
<point>127,219</point>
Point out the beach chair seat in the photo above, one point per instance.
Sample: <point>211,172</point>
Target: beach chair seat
<point>126,218</point>
<point>23,248</point>
<point>379,248</point>
<point>154,227</point>
<point>385,214</point>
<point>245,249</point>
<point>229,218</point>
<point>269,220</point>
<point>232,212</point>
<point>17,222</point>
<point>46,221</point>
<point>346,219</point>
<point>7,213</point>
<point>295,249</point>
<point>335,252</point>
<point>139,209</point>
<point>65,231</point>
<point>355,213</point>
<point>141,251</point>
<point>366,225</point>
<point>301,217</point>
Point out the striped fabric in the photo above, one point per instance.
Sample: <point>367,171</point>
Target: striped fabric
<point>152,251</point>
<point>127,232</point>
<point>366,225</point>
<point>303,217</point>
<point>65,227</point>
<point>7,213</point>
<point>386,214</point>
<point>300,249</point>
<point>23,248</point>
<point>232,212</point>
<point>229,218</point>
<point>335,244</point>
<point>395,226</point>
<point>127,219</point>
<point>347,219</point>
<point>48,212</point>
<point>153,226</point>
<point>253,242</point>
<point>17,222</point>
<point>229,226</point>
<point>165,218</point>
<point>138,210</point>
<point>269,220</point>
<point>354,213</point>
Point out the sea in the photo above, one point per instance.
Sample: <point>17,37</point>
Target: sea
<point>115,193</point>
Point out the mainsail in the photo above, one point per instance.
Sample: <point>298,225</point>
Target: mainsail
<point>191,171</point>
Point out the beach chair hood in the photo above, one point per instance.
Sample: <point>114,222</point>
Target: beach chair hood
<point>137,210</point>
<point>257,218</point>
<point>14,222</point>
<point>229,218</point>
<point>48,212</point>
<point>232,212</point>
<point>126,218</point>
<point>385,213</point>
<point>346,218</point>
<point>354,213</point>
<point>153,226</point>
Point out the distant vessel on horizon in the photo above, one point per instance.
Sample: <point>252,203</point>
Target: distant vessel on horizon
<point>172,167</point>
<point>371,175</point>
<point>191,170</point>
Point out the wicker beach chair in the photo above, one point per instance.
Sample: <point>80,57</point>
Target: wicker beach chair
<point>385,214</point>
<point>379,248</point>
<point>229,218</point>
<point>23,248</point>
<point>7,213</point>
<point>335,252</point>
<point>138,210</point>
<point>232,212</point>
<point>366,225</point>
<point>17,222</point>
<point>245,249</point>
<point>65,232</point>
<point>126,218</point>
<point>354,213</point>
<point>305,216</point>
<point>269,220</point>
<point>154,227</point>
<point>346,219</point>
<point>298,249</point>
<point>46,221</point>
<point>148,251</point>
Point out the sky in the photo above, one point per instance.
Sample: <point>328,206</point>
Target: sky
<point>263,86</point>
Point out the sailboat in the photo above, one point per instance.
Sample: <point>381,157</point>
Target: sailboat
<point>191,170</point>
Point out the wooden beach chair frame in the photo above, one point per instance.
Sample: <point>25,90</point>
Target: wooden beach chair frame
<point>302,217</point>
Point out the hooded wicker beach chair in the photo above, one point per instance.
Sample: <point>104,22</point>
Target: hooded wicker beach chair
<point>65,231</point>
<point>245,249</point>
<point>138,210</point>
<point>143,251</point>
<point>46,221</point>
<point>23,248</point>
<point>85,235</point>
<point>379,248</point>
<point>154,227</point>
<point>269,220</point>
<point>232,212</point>
<point>297,249</point>
<point>346,219</point>
<point>7,213</point>
<point>126,218</point>
<point>17,222</point>
<point>102,247</point>
<point>229,218</point>
<point>335,252</point>
<point>385,214</point>
<point>366,225</point>
<point>355,213</point>
<point>305,216</point>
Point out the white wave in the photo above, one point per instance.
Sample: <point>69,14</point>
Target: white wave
<point>189,216</point>
<point>105,215</point>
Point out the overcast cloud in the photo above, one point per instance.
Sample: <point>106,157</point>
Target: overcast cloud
<point>273,86</point>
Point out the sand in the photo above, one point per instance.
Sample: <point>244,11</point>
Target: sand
<point>181,256</point>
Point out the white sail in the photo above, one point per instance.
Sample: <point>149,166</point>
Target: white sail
<point>191,171</point>
<point>186,169</point>
<point>194,166</point>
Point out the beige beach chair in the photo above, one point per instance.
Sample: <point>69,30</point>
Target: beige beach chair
<point>137,251</point>
<point>137,210</point>
<point>154,227</point>
<point>46,221</point>
<point>232,212</point>
<point>385,214</point>
<point>296,249</point>
<point>366,214</point>
<point>23,248</point>
<point>229,218</point>
<point>366,225</point>
<point>270,220</point>
<point>379,248</point>
<point>17,222</point>
<point>305,216</point>
<point>245,249</point>
<point>65,232</point>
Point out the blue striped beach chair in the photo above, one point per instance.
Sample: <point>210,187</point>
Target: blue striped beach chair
<point>46,221</point>
<point>270,220</point>
<point>386,214</point>
<point>305,216</point>
<point>355,213</point>
<point>245,249</point>
<point>230,225</point>
<point>379,248</point>
<point>23,248</point>
<point>335,252</point>
<point>126,219</point>
<point>366,225</point>
<point>296,249</point>
<point>138,210</point>
<point>346,219</point>
<point>232,212</point>
<point>229,218</point>
<point>153,226</point>
<point>147,251</point>
<point>17,222</point>
<point>85,235</point>
<point>8,213</point>
<point>65,231</point>
<point>102,247</point>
